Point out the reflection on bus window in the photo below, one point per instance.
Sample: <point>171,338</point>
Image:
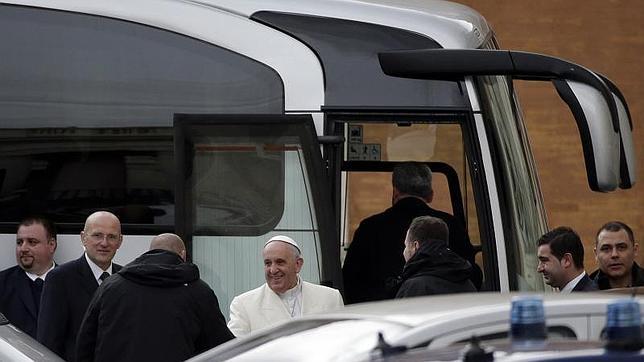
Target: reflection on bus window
<point>68,173</point>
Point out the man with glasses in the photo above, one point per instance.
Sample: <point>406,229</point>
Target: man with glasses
<point>70,287</point>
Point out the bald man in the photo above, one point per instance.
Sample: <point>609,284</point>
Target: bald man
<point>169,242</point>
<point>284,295</point>
<point>155,309</point>
<point>70,287</point>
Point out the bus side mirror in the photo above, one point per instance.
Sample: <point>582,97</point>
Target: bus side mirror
<point>628,162</point>
<point>596,103</point>
<point>600,142</point>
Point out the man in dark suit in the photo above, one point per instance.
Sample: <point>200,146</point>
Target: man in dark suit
<point>375,255</point>
<point>561,261</point>
<point>70,287</point>
<point>21,285</point>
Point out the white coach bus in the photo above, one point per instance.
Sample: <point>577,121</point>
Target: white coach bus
<point>229,121</point>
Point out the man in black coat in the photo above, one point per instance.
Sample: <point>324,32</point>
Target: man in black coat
<point>616,251</point>
<point>155,309</point>
<point>375,254</point>
<point>70,287</point>
<point>431,267</point>
<point>561,261</point>
<point>21,285</point>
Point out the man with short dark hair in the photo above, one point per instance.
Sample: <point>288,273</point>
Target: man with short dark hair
<point>21,285</point>
<point>615,251</point>
<point>154,309</point>
<point>70,287</point>
<point>561,261</point>
<point>375,254</point>
<point>431,267</point>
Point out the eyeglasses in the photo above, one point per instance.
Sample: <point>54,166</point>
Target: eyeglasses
<point>101,237</point>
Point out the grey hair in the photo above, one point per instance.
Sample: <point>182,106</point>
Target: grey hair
<point>413,178</point>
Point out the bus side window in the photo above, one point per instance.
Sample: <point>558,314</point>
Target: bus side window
<point>88,103</point>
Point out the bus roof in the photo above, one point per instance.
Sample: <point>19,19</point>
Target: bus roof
<point>449,24</point>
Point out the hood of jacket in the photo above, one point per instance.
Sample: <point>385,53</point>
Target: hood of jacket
<point>160,268</point>
<point>436,259</point>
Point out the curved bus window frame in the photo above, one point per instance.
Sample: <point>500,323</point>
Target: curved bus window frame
<point>84,82</point>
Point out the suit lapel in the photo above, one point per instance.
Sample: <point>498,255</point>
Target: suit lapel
<point>309,305</point>
<point>26,295</point>
<point>87,279</point>
<point>273,310</point>
<point>582,284</point>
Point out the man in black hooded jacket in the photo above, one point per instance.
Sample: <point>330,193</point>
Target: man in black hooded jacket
<point>375,257</point>
<point>431,267</point>
<point>154,309</point>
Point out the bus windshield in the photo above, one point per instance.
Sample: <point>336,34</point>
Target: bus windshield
<point>522,208</point>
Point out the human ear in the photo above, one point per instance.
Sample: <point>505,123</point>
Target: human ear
<point>567,261</point>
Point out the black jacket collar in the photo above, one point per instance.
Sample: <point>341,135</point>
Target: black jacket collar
<point>637,278</point>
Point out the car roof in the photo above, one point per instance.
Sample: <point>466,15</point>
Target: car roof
<point>420,310</point>
<point>504,351</point>
<point>410,322</point>
<point>16,345</point>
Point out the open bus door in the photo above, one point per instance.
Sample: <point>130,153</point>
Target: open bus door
<point>376,140</point>
<point>598,107</point>
<point>242,179</point>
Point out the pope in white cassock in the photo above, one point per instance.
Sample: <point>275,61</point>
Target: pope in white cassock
<point>284,295</point>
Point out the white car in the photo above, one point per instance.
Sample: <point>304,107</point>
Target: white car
<point>558,351</point>
<point>17,346</point>
<point>434,322</point>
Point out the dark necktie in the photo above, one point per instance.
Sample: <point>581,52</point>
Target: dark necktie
<point>37,291</point>
<point>104,276</point>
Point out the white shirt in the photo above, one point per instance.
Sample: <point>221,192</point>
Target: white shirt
<point>96,270</point>
<point>33,276</point>
<point>292,299</point>
<point>573,283</point>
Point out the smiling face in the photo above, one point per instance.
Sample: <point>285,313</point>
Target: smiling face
<point>281,266</point>
<point>615,253</point>
<point>550,267</point>
<point>102,238</point>
<point>34,248</point>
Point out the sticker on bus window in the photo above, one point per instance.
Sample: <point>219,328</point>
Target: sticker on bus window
<point>364,152</point>
<point>355,133</point>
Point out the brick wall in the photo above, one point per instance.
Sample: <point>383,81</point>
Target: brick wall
<point>608,37</point>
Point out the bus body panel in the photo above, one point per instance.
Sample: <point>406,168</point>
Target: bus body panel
<point>298,67</point>
<point>452,25</point>
<point>229,25</point>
